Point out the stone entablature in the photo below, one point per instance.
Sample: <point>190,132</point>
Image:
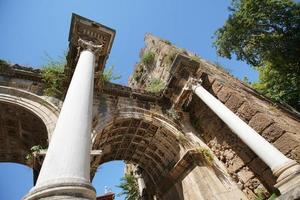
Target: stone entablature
<point>25,78</point>
<point>89,31</point>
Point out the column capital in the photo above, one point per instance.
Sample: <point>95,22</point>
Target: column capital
<point>89,45</point>
<point>192,82</point>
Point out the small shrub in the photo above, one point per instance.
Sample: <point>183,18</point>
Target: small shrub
<point>3,62</point>
<point>156,85</point>
<point>196,58</point>
<point>33,150</point>
<point>168,59</point>
<point>129,187</point>
<point>167,42</point>
<point>184,51</point>
<point>246,80</point>
<point>138,73</point>
<point>148,58</point>
<point>206,155</point>
<point>108,75</point>
<point>53,76</point>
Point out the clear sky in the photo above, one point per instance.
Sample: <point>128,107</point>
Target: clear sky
<point>33,28</point>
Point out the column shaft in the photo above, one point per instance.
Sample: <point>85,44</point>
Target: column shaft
<point>67,162</point>
<point>266,151</point>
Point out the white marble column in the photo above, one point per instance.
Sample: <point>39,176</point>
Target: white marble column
<point>140,181</point>
<point>66,168</point>
<point>141,184</point>
<point>277,161</point>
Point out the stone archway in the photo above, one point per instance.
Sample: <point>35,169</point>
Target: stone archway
<point>143,142</point>
<point>26,120</point>
<point>43,109</point>
<point>160,145</point>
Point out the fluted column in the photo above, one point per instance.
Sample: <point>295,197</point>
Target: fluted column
<point>66,169</point>
<point>282,167</point>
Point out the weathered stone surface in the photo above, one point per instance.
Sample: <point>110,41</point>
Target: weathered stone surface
<point>235,164</point>
<point>258,166</point>
<point>260,121</point>
<point>287,142</point>
<point>268,177</point>
<point>245,174</point>
<point>295,153</point>
<point>272,132</point>
<point>234,102</point>
<point>224,94</point>
<point>245,153</point>
<point>252,184</point>
<point>216,86</point>
<point>250,194</point>
<point>246,111</point>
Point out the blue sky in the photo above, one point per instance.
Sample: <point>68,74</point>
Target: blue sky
<point>31,29</point>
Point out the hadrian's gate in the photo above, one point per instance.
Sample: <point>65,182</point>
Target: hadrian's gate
<point>200,133</point>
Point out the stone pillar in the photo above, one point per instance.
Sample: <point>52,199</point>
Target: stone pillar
<point>141,183</point>
<point>282,167</point>
<point>65,172</point>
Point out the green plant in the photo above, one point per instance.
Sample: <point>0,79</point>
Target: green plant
<point>168,59</point>
<point>33,150</point>
<point>148,58</point>
<point>184,51</point>
<point>3,62</point>
<point>206,155</point>
<point>129,187</point>
<point>167,42</point>
<point>266,35</point>
<point>53,77</point>
<point>279,86</point>
<point>108,75</point>
<point>261,194</point>
<point>195,58</point>
<point>246,80</point>
<point>156,85</point>
<point>273,197</point>
<point>138,73</point>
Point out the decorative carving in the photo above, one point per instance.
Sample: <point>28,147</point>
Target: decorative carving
<point>192,82</point>
<point>89,45</point>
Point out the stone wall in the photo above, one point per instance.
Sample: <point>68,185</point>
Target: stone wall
<point>275,122</point>
<point>160,67</point>
<point>21,77</point>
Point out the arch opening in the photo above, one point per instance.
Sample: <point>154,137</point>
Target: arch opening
<point>20,130</point>
<point>152,144</point>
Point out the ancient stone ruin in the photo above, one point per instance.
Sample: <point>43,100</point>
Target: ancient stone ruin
<point>186,128</point>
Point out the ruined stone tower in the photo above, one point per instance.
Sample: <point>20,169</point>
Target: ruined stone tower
<point>191,130</point>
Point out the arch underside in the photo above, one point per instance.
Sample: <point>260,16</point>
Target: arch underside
<point>146,143</point>
<point>20,129</point>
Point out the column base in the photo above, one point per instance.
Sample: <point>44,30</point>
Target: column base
<point>288,181</point>
<point>78,191</point>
